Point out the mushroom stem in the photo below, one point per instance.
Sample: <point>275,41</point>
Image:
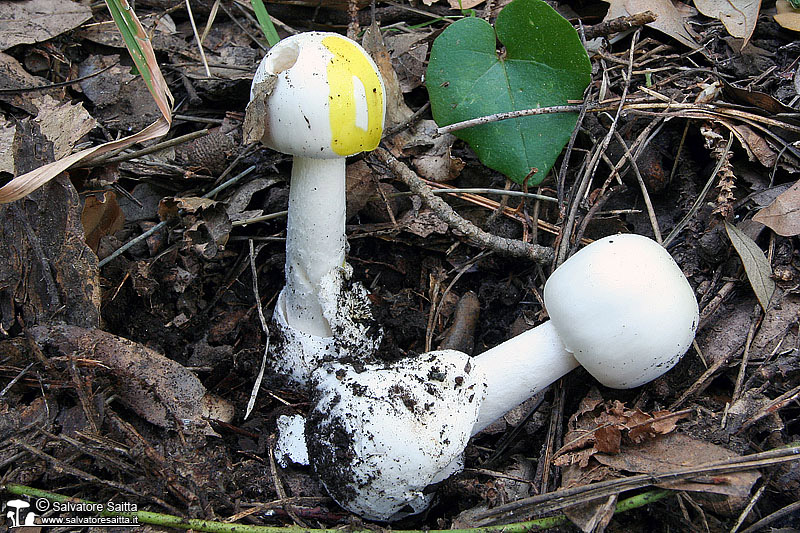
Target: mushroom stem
<point>519,368</point>
<point>315,241</point>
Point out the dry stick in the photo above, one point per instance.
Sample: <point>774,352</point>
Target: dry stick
<point>737,389</point>
<point>749,507</point>
<point>778,403</point>
<point>700,111</point>
<point>552,501</point>
<point>598,205</point>
<point>197,38</point>
<point>509,247</point>
<point>705,378</point>
<point>767,520</point>
<point>647,202</point>
<point>617,25</point>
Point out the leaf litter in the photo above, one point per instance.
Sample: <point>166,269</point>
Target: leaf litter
<point>179,302</point>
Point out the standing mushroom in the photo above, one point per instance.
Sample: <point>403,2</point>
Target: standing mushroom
<point>379,436</point>
<point>319,97</point>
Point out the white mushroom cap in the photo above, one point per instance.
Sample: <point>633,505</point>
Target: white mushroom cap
<point>328,101</point>
<point>377,438</point>
<point>623,308</point>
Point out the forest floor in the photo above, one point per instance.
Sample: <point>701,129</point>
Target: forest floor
<point>93,411</point>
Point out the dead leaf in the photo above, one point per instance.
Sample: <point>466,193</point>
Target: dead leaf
<point>409,52</point>
<point>738,16</point>
<point>206,223</point>
<point>423,224</point>
<point>34,21</point>
<point>671,20</point>
<point>101,216</point>
<point>63,123</point>
<point>675,451</point>
<point>783,215</point>
<point>397,112</point>
<point>155,387</point>
<point>787,16</point>
<point>754,144</point>
<point>756,266</point>
<point>254,122</point>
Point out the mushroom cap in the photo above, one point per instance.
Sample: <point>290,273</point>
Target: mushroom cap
<point>377,438</point>
<point>623,308</point>
<point>328,100</point>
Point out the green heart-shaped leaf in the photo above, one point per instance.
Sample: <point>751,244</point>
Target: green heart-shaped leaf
<point>544,64</point>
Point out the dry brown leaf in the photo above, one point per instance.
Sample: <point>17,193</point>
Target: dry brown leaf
<point>34,21</point>
<point>101,216</point>
<point>397,112</point>
<point>738,16</point>
<point>671,19</point>
<point>783,215</point>
<point>754,144</point>
<point>787,16</point>
<point>675,451</point>
<point>155,387</point>
<point>62,123</point>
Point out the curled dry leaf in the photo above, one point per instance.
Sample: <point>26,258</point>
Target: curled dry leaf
<point>155,387</point>
<point>206,223</point>
<point>738,16</point>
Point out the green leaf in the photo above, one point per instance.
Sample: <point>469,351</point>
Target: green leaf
<point>544,64</point>
<point>756,266</point>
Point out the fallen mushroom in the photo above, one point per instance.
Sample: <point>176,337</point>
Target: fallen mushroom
<point>380,436</point>
<point>320,98</point>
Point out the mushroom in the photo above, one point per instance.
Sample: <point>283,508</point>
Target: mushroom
<point>378,437</point>
<point>621,307</point>
<point>320,98</point>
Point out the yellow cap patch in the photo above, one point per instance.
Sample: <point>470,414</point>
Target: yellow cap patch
<point>356,98</point>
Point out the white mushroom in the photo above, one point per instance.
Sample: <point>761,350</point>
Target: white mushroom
<point>621,307</point>
<point>321,99</point>
<point>379,436</point>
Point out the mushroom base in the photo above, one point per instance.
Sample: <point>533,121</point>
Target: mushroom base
<point>356,336</point>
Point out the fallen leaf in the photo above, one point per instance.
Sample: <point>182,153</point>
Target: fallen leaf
<point>34,21</point>
<point>155,387</point>
<point>671,19</point>
<point>101,216</point>
<point>675,451</point>
<point>63,123</point>
<point>783,215</point>
<point>756,266</point>
<point>397,112</point>
<point>787,16</point>
<point>754,144</point>
<point>738,16</point>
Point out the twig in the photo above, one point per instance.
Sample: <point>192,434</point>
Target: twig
<point>617,25</point>
<point>509,247</point>
<point>197,38</point>
<point>737,389</point>
<point>767,520</point>
<point>257,385</point>
<point>647,202</point>
<point>778,403</point>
